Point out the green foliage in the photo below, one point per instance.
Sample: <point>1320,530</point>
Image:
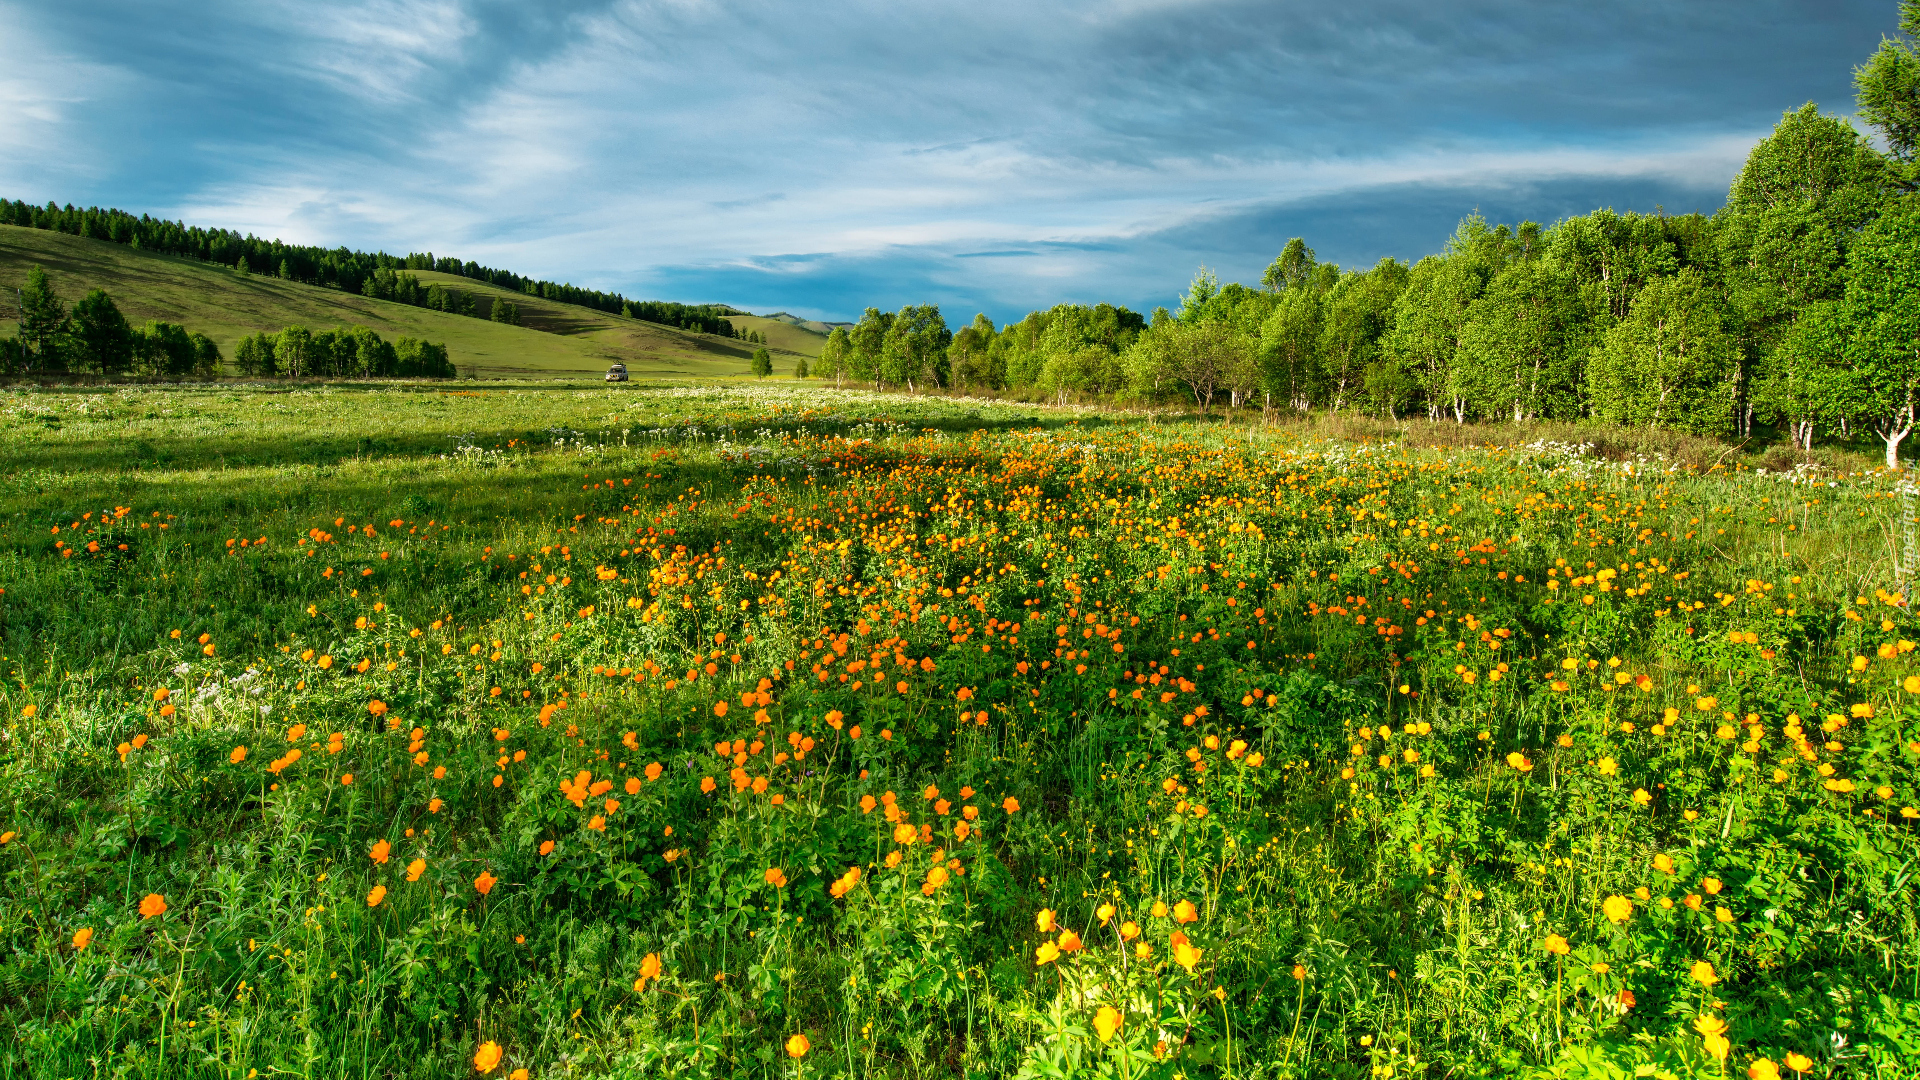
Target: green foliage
<point>1667,364</point>
<point>762,363</point>
<point>1888,88</point>
<point>98,336</point>
<point>1315,750</point>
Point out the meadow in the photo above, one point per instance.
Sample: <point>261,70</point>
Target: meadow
<point>544,730</point>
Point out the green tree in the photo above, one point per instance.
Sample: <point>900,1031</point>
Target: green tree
<point>1203,358</point>
<point>1888,90</point>
<point>971,356</point>
<point>1428,320</point>
<point>206,356</point>
<point>1291,268</point>
<point>163,348</point>
<point>42,316</point>
<point>1803,381</point>
<point>290,351</point>
<point>1359,312</point>
<point>1290,348</point>
<point>98,336</point>
<point>240,266</point>
<point>1667,364</point>
<point>762,363</point>
<point>1806,191</point>
<point>1518,354</point>
<point>835,355</point>
<point>914,351</point>
<point>800,367</point>
<point>1882,304</point>
<point>505,311</point>
<point>865,343</point>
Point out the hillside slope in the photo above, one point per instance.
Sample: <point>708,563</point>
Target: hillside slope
<point>559,340</point>
<point>782,336</point>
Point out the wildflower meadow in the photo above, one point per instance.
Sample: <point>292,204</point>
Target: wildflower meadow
<point>749,732</point>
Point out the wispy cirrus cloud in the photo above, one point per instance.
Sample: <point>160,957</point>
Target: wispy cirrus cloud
<point>990,155</point>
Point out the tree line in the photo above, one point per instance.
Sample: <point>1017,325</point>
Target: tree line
<point>376,274</point>
<point>94,337</point>
<point>1795,306</point>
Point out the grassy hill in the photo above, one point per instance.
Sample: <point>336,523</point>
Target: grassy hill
<point>560,340</point>
<point>783,336</point>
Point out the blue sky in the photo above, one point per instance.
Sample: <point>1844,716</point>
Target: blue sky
<point>986,155</point>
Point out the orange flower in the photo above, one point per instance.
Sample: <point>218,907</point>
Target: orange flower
<point>798,1046</point>
<point>1703,973</point>
<point>484,883</point>
<point>1011,805</point>
<point>1556,945</point>
<point>415,869</point>
<point>239,755</point>
<point>82,937</point>
<point>378,893</point>
<point>776,877</point>
<point>633,785</point>
<point>153,905</point>
<point>546,847</point>
<point>904,833</point>
<point>1184,912</point>
<point>720,708</point>
<point>707,785</point>
<point>653,772</point>
<point>380,852</point>
<point>377,707</point>
<point>1186,956</point>
<point>649,969</point>
<point>1069,941</point>
<point>487,1058</point>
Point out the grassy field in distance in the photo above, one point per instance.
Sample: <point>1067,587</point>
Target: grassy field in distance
<point>556,340</point>
<point>783,337</point>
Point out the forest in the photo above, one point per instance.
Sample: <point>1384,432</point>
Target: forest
<point>1794,308</point>
<point>375,274</point>
<point>94,337</point>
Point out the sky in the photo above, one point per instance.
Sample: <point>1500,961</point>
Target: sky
<point>985,155</point>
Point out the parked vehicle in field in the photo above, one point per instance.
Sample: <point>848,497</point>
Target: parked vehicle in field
<point>617,373</point>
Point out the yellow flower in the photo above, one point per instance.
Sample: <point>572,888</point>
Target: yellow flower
<point>1703,974</point>
<point>1763,1069</point>
<point>1798,1062</point>
<point>1618,909</point>
<point>1186,956</point>
<point>1556,945</point>
<point>797,1046</point>
<point>1713,1032</point>
<point>1047,953</point>
<point>1106,1022</point>
<point>487,1058</point>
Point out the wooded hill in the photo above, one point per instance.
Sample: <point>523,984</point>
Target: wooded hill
<point>551,338</point>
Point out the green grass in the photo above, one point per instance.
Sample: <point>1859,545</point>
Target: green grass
<point>784,339</point>
<point>1395,718</point>
<point>555,340</point>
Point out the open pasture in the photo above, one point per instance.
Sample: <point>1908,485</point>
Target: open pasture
<point>545,732</point>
